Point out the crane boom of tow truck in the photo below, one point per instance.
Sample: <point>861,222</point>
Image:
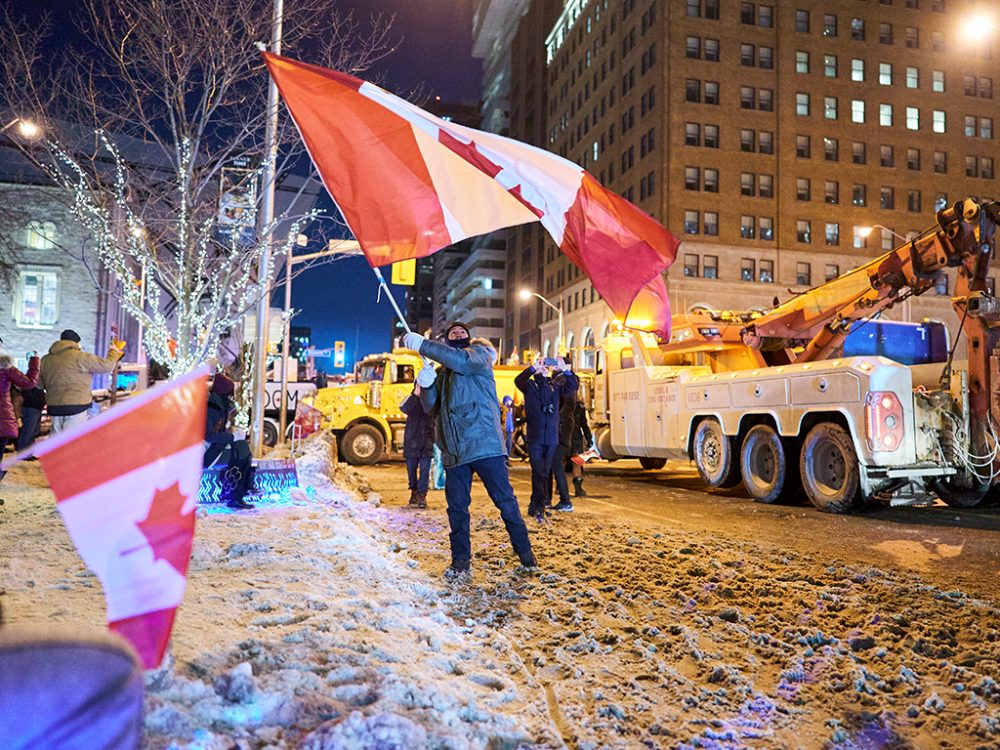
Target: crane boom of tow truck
<point>765,395</point>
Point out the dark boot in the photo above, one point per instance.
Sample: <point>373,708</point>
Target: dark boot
<point>239,504</point>
<point>413,499</point>
<point>422,499</point>
<point>578,490</point>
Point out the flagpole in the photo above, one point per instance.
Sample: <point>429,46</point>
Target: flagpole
<point>264,267</point>
<point>381,281</point>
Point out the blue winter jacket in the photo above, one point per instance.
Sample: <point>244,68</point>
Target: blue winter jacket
<point>542,398</point>
<point>464,400</point>
<point>418,435</point>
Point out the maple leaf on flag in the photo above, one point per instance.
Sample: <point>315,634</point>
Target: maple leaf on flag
<point>168,531</point>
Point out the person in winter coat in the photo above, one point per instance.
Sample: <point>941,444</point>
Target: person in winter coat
<point>581,440</point>
<point>567,425</point>
<point>225,446</point>
<point>32,403</point>
<point>543,392</point>
<point>10,375</point>
<point>507,420</point>
<point>66,375</point>
<point>418,447</point>
<point>462,397</point>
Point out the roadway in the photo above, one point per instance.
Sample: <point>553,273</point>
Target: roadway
<point>952,546</point>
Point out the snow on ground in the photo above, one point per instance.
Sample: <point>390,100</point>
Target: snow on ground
<point>643,636</point>
<point>303,626</point>
<point>324,624</point>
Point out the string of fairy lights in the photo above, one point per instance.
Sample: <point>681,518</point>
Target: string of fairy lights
<point>212,274</point>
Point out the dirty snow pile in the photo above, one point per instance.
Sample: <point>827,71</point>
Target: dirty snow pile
<point>647,636</point>
<point>303,626</point>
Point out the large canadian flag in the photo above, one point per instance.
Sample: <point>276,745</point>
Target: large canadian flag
<point>409,183</point>
<point>126,485</point>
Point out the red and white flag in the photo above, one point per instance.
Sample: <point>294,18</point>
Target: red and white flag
<point>126,485</point>
<point>409,183</point>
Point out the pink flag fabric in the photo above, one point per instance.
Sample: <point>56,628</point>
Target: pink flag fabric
<point>126,485</point>
<point>409,183</point>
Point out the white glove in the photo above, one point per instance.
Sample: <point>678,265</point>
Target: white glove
<point>413,341</point>
<point>426,376</point>
<point>239,434</point>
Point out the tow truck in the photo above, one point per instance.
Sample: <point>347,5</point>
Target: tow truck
<point>770,400</point>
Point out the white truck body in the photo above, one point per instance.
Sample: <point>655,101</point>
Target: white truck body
<point>652,411</point>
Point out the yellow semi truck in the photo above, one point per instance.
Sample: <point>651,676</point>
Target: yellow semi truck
<point>365,414</point>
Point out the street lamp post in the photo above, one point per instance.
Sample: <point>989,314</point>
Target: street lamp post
<point>335,247</point>
<point>526,294</point>
<point>865,232</point>
<point>264,265</point>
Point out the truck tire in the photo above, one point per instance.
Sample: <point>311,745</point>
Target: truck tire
<point>769,465</point>
<point>652,464</point>
<point>958,496</point>
<point>269,434</point>
<point>362,445</point>
<point>829,468</point>
<point>715,455</point>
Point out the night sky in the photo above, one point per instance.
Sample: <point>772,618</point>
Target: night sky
<point>338,301</point>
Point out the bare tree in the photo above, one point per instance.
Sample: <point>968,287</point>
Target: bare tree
<point>154,132</point>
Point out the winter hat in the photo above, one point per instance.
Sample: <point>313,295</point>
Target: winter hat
<point>457,324</point>
<point>222,385</point>
<point>69,335</point>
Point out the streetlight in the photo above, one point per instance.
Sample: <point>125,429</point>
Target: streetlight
<point>334,247</point>
<point>25,128</point>
<point>864,232</point>
<point>526,294</point>
<point>977,26</point>
<point>264,224</point>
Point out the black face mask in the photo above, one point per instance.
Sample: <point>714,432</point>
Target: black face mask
<point>458,343</point>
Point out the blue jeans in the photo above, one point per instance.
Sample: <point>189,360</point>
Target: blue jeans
<point>418,472</point>
<point>31,419</point>
<point>541,456</point>
<point>509,441</point>
<point>458,493</point>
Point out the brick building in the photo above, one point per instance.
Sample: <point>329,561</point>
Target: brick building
<point>765,136</point>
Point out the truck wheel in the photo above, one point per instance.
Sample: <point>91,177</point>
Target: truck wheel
<point>362,445</point>
<point>831,477</point>
<point>270,434</point>
<point>715,455</point>
<point>769,466</point>
<point>958,496</point>
<point>652,464</point>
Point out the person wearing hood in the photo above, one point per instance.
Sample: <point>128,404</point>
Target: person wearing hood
<point>226,446</point>
<point>10,375</point>
<point>418,447</point>
<point>462,397</point>
<point>66,375</point>
<point>544,388</point>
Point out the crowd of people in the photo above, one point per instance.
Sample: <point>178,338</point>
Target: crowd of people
<point>452,413</point>
<point>60,381</point>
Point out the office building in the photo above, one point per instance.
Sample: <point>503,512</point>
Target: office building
<point>768,137</point>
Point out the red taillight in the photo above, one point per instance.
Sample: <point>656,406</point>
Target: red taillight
<point>883,421</point>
